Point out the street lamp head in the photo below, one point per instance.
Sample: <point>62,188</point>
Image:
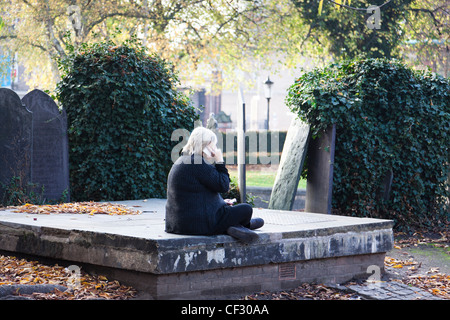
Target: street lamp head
<point>268,88</point>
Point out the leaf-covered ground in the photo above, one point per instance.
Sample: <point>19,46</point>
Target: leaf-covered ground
<point>90,208</point>
<point>412,272</point>
<point>21,271</point>
<point>81,287</point>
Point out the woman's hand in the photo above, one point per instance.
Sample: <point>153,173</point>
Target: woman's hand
<point>229,202</point>
<point>218,156</point>
<point>215,154</point>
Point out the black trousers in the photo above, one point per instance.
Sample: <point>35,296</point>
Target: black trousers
<point>229,216</point>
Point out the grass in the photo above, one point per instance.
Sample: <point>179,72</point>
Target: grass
<point>260,178</point>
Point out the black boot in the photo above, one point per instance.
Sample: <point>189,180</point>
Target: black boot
<point>256,223</point>
<point>243,234</point>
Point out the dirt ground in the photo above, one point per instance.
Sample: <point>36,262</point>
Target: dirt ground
<point>427,251</point>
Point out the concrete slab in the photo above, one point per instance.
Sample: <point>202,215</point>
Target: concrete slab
<point>139,244</point>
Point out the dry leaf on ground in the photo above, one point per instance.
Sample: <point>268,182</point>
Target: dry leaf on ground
<point>306,291</point>
<point>437,284</point>
<point>84,286</point>
<point>90,208</point>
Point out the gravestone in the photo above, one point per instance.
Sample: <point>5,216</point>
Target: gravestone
<point>291,166</point>
<point>15,140</point>
<point>33,144</point>
<point>319,185</point>
<point>50,165</point>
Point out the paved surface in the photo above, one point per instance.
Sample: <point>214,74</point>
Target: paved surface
<point>150,224</point>
<point>262,197</point>
<point>391,290</point>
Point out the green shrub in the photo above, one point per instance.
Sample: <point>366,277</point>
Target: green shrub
<point>234,193</point>
<point>17,193</point>
<point>388,117</point>
<point>122,107</point>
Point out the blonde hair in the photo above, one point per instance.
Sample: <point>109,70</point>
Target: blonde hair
<point>198,140</point>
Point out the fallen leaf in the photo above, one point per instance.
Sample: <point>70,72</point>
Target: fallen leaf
<point>90,208</point>
<point>21,271</point>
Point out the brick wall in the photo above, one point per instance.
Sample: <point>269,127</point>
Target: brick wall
<point>235,282</point>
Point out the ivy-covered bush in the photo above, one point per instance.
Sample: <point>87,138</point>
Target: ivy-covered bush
<point>388,118</point>
<point>122,107</point>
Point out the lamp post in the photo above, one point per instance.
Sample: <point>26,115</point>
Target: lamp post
<point>268,93</point>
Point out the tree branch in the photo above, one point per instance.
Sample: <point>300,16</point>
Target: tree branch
<point>436,22</point>
<point>49,22</point>
<point>24,41</point>
<point>358,9</point>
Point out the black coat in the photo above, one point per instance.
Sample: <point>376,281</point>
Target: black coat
<point>193,196</point>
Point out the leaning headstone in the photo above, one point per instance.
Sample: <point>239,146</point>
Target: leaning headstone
<point>50,165</point>
<point>15,140</point>
<point>319,185</point>
<point>291,166</point>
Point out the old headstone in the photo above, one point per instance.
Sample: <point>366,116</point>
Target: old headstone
<point>50,165</point>
<point>319,186</point>
<point>291,166</point>
<point>15,140</point>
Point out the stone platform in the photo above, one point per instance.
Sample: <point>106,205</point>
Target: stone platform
<point>293,248</point>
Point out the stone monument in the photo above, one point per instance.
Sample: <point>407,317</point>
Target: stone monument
<point>291,166</point>
<point>319,186</point>
<point>50,165</point>
<point>15,140</point>
<point>33,144</point>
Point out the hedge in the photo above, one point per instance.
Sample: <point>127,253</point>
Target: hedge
<point>389,118</point>
<point>122,107</point>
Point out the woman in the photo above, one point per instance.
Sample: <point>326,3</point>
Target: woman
<point>194,204</point>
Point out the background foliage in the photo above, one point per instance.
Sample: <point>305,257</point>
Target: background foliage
<point>346,29</point>
<point>223,42</point>
<point>122,107</point>
<point>388,117</point>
